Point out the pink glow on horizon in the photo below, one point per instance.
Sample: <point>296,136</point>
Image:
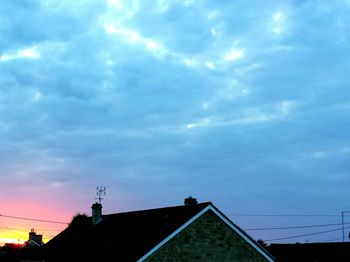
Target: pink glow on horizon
<point>51,209</point>
<point>12,229</point>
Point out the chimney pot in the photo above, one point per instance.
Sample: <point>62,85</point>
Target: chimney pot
<point>190,201</point>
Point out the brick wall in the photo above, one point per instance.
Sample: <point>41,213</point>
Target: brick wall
<point>207,239</point>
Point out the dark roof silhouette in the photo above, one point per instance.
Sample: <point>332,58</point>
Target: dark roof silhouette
<point>140,231</point>
<point>124,236</point>
<point>80,241</point>
<point>336,251</point>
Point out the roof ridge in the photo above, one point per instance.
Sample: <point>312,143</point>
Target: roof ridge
<point>204,204</point>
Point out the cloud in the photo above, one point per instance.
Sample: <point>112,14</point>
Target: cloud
<point>250,116</point>
<point>27,53</point>
<point>134,37</point>
<point>234,55</point>
<point>116,4</point>
<point>278,23</point>
<point>157,94</point>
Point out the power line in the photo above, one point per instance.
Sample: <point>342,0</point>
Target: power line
<point>26,229</point>
<point>246,229</point>
<point>8,229</point>
<point>33,219</point>
<point>304,235</point>
<point>283,215</point>
<point>12,229</point>
<point>48,236</point>
<point>293,227</point>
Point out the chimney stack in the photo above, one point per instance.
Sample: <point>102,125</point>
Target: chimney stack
<point>190,201</point>
<point>34,239</point>
<point>96,213</point>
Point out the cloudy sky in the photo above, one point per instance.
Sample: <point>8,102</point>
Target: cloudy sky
<point>242,103</point>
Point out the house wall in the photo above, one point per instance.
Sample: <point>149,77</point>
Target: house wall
<point>208,238</point>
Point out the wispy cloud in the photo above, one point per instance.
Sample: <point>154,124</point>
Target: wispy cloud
<point>234,54</point>
<point>27,53</point>
<point>134,37</point>
<point>278,23</point>
<point>249,117</point>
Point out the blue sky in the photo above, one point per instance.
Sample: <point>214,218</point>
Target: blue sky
<point>242,103</point>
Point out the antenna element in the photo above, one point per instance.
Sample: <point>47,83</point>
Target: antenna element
<point>100,191</point>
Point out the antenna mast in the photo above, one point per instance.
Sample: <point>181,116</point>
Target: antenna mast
<point>100,191</point>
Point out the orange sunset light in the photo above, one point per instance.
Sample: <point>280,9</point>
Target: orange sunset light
<point>19,217</point>
<point>4,240</point>
<point>16,232</point>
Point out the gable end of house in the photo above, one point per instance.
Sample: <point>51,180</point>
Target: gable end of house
<point>244,238</point>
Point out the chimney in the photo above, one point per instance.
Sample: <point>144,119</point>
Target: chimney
<point>33,237</point>
<point>190,201</point>
<point>32,234</point>
<point>96,213</point>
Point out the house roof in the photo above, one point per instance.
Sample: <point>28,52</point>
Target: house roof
<point>226,220</point>
<point>332,251</point>
<point>140,231</point>
<point>133,236</point>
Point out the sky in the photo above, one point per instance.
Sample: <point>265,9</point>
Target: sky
<point>242,103</point>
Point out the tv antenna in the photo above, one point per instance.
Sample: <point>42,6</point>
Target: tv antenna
<point>100,191</point>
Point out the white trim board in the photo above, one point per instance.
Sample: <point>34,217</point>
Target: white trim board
<point>225,220</point>
<point>244,236</point>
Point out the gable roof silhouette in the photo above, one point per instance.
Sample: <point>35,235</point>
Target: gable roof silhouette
<point>134,236</point>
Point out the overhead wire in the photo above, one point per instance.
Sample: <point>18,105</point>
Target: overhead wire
<point>283,215</point>
<point>36,229</point>
<point>304,235</point>
<point>248,229</point>
<point>25,231</point>
<point>294,227</point>
<point>48,236</point>
<point>10,230</point>
<point>18,232</point>
<point>34,219</point>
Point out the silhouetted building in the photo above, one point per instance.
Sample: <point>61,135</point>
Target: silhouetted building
<point>10,252</point>
<point>311,252</point>
<point>21,253</point>
<point>192,232</point>
<point>34,239</point>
